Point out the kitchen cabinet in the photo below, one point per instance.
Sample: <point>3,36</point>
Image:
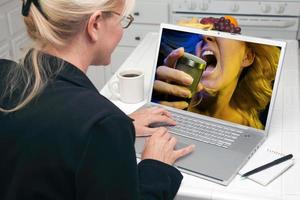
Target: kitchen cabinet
<point>14,41</point>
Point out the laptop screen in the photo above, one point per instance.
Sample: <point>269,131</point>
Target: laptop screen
<point>219,75</point>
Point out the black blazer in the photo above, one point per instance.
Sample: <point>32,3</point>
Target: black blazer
<point>70,142</point>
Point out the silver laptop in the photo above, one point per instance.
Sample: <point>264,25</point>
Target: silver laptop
<point>227,114</point>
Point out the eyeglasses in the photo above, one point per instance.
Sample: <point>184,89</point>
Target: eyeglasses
<point>125,20</point>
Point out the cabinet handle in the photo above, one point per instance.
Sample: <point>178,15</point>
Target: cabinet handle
<point>136,14</point>
<point>138,38</point>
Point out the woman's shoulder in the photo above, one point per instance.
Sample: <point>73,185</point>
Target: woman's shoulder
<point>93,103</point>
<point>77,103</point>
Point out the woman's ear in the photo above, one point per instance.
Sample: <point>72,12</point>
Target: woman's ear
<point>248,57</point>
<point>93,26</point>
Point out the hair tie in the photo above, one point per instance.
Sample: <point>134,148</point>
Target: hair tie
<point>26,7</point>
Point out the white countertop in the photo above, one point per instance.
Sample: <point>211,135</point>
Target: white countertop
<point>284,133</point>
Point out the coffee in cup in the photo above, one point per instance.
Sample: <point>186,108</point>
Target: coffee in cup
<point>129,86</point>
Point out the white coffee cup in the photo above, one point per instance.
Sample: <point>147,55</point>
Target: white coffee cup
<point>129,86</point>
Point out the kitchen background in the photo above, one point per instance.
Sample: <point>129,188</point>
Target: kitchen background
<point>263,18</point>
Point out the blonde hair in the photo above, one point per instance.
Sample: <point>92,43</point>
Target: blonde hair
<point>255,87</point>
<point>59,22</point>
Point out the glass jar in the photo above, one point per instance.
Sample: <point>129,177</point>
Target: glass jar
<point>194,66</point>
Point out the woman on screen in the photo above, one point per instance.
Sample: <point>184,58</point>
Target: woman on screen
<point>236,85</point>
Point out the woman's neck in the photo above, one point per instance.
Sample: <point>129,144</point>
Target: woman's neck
<point>223,108</point>
<point>218,105</point>
<point>74,53</point>
<point>222,104</point>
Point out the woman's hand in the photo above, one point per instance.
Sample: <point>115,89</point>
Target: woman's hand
<point>146,116</point>
<point>173,82</point>
<point>160,146</point>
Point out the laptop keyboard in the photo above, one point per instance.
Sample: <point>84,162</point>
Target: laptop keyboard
<point>203,131</point>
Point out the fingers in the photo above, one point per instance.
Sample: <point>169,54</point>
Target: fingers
<point>164,119</point>
<point>146,131</point>
<point>159,110</point>
<point>184,151</point>
<point>176,104</point>
<point>173,75</point>
<point>158,114</point>
<point>166,136</point>
<point>155,110</point>
<point>173,57</point>
<point>170,89</point>
<point>160,132</point>
<point>155,132</point>
<point>172,143</point>
<point>198,48</point>
<point>200,87</point>
<point>160,146</point>
<point>161,119</point>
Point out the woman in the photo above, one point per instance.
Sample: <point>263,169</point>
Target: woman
<point>236,85</point>
<point>60,139</point>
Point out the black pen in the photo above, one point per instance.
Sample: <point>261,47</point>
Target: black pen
<point>268,165</point>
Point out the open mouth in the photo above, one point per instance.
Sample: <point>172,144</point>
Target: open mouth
<point>210,59</point>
